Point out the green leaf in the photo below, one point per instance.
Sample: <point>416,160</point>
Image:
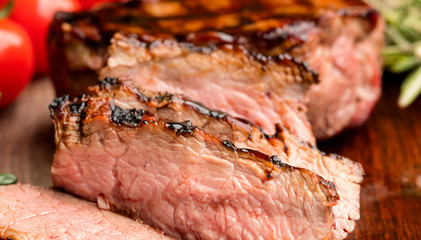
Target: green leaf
<point>7,179</point>
<point>404,64</point>
<point>410,88</point>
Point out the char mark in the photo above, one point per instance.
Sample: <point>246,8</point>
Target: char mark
<point>57,104</point>
<point>126,117</point>
<point>78,105</point>
<point>206,111</point>
<point>229,144</point>
<point>181,127</point>
<point>108,82</point>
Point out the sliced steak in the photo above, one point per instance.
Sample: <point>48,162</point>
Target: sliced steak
<point>345,174</point>
<point>339,39</point>
<point>182,180</point>
<point>264,90</point>
<point>28,212</point>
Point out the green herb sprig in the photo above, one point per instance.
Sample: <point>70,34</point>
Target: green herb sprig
<point>7,179</point>
<point>403,43</point>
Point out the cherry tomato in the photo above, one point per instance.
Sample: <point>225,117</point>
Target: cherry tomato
<point>3,3</point>
<point>88,4</point>
<point>16,60</point>
<point>35,16</point>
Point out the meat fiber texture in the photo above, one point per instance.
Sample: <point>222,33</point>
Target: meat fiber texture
<point>341,40</point>
<point>28,212</point>
<point>346,52</point>
<point>344,173</point>
<point>263,90</point>
<point>190,184</point>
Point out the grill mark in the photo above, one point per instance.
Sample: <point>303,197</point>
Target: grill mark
<point>143,20</point>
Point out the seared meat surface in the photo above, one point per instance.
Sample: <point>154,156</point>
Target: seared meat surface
<point>339,39</point>
<point>264,90</point>
<point>177,177</point>
<point>28,212</point>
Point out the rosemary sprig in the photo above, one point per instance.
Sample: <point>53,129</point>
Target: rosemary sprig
<point>403,43</point>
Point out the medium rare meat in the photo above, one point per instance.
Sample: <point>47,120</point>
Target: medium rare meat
<point>339,39</point>
<point>28,212</point>
<point>345,174</point>
<point>263,90</point>
<point>128,147</point>
<point>181,180</point>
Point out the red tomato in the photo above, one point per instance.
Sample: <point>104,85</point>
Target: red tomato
<point>16,60</point>
<point>35,16</point>
<point>87,4</point>
<point>3,3</point>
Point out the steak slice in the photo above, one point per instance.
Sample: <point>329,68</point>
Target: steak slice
<point>344,173</point>
<point>340,39</point>
<point>28,212</point>
<point>181,180</point>
<point>264,90</point>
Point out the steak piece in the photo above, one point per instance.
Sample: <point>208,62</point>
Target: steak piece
<point>181,180</point>
<point>28,212</point>
<point>339,39</point>
<point>263,90</point>
<point>345,174</point>
<point>188,183</point>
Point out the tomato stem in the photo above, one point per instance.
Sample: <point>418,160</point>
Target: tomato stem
<point>5,12</point>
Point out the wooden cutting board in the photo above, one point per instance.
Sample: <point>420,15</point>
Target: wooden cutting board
<point>388,146</point>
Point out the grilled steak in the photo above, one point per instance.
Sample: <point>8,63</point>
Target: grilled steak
<point>168,107</point>
<point>339,39</point>
<point>208,188</point>
<point>28,212</point>
<point>265,91</point>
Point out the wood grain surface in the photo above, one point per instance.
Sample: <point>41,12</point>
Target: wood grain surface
<point>388,146</point>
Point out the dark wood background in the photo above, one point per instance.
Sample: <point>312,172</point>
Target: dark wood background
<point>388,146</point>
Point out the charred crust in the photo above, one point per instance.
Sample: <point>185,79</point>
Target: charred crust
<point>78,106</point>
<point>142,97</point>
<point>275,160</point>
<point>108,82</point>
<point>205,111</point>
<point>163,99</point>
<point>126,117</point>
<point>229,144</point>
<point>57,105</point>
<point>263,133</point>
<point>183,128</point>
